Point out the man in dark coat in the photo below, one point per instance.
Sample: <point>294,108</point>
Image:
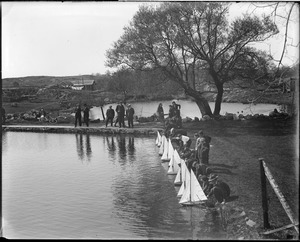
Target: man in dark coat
<point>129,115</point>
<point>110,114</point>
<point>78,115</point>
<point>120,112</point>
<point>86,114</point>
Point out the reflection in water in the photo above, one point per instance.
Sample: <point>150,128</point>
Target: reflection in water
<point>122,148</point>
<point>111,147</point>
<point>107,199</point>
<point>131,148</point>
<point>80,147</point>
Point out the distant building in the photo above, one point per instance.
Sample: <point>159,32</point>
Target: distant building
<point>83,85</point>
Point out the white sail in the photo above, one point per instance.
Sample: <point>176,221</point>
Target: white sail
<point>179,178</point>
<point>193,194</point>
<point>166,149</point>
<point>173,165</point>
<point>177,157</point>
<point>185,188</point>
<point>184,172</point>
<point>156,141</point>
<point>161,148</point>
<point>159,139</point>
<point>171,150</point>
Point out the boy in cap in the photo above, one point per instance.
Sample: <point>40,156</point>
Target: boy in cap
<point>220,190</point>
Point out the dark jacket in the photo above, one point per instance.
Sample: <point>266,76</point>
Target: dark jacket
<point>130,112</point>
<point>78,112</point>
<point>110,113</point>
<point>120,110</point>
<point>86,112</point>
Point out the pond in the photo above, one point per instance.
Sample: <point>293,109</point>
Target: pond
<point>92,186</point>
<point>188,108</point>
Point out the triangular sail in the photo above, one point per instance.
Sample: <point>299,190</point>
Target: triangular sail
<point>178,178</point>
<point>173,165</point>
<point>159,139</point>
<point>184,171</point>
<point>193,194</point>
<point>161,148</point>
<point>166,149</point>
<point>171,150</point>
<point>197,193</point>
<point>176,157</point>
<point>187,187</point>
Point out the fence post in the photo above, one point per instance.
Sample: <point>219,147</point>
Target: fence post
<point>264,194</point>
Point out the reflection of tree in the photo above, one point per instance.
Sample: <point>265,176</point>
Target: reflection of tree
<point>79,145</point>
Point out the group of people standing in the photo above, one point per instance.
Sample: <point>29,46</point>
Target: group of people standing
<point>121,113</point>
<point>110,115</point>
<point>197,159</point>
<point>78,115</point>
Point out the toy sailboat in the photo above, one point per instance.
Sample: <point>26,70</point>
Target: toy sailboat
<point>165,156</point>
<point>193,193</point>
<point>161,148</point>
<point>184,172</point>
<point>173,164</point>
<point>158,139</point>
<point>179,177</point>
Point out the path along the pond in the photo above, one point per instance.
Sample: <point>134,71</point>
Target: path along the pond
<point>71,129</point>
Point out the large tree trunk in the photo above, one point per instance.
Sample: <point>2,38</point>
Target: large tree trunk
<point>200,101</point>
<point>218,99</point>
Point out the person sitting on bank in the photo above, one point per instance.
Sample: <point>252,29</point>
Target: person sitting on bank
<point>160,113</point>
<point>43,113</point>
<point>110,114</point>
<point>176,108</point>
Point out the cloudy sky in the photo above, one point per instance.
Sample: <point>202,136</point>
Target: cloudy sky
<point>71,38</point>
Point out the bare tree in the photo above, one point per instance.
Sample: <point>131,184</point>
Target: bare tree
<point>182,38</point>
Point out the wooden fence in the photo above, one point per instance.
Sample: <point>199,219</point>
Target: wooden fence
<point>265,173</point>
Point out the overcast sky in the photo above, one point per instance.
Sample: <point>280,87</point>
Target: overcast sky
<point>71,38</point>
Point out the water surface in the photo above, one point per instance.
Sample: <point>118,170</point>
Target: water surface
<point>89,186</point>
<point>188,108</point>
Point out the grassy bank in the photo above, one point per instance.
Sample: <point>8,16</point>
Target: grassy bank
<point>236,147</point>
